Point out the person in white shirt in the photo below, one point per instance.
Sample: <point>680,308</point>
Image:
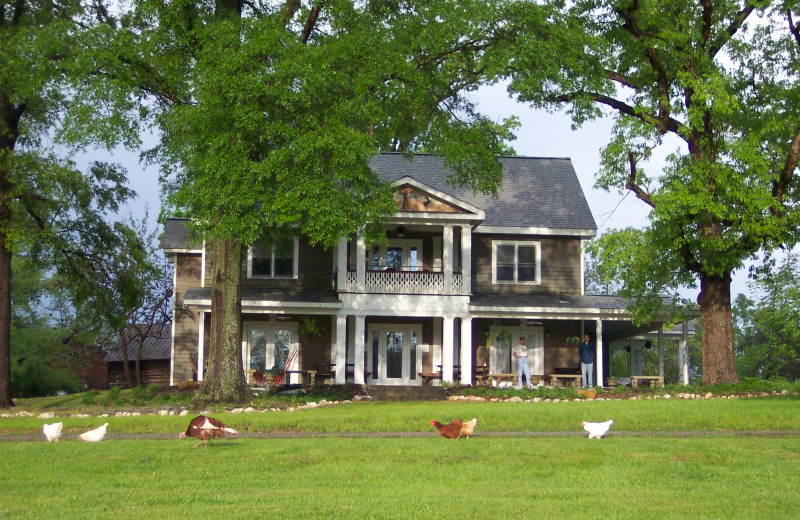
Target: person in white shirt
<point>521,354</point>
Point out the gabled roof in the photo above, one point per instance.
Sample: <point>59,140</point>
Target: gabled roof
<point>177,237</point>
<point>537,193</point>
<point>153,349</point>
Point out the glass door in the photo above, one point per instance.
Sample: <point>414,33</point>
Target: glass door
<point>392,354</point>
<point>268,346</point>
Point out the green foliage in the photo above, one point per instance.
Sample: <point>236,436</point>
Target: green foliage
<point>767,336</point>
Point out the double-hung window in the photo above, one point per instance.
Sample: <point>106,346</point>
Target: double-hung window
<point>267,259</point>
<point>516,262</point>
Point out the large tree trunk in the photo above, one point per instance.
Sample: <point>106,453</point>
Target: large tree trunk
<point>224,381</point>
<point>5,315</point>
<point>715,317</point>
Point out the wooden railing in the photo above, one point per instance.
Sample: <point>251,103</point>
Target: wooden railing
<point>404,282</point>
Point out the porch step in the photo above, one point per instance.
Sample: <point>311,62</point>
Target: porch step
<point>406,393</point>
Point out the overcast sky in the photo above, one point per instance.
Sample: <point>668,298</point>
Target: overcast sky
<point>540,135</point>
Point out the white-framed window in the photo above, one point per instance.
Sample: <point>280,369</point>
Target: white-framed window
<point>266,259</point>
<point>516,262</point>
<point>396,255</point>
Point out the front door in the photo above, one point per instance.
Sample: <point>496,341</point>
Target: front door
<point>393,356</point>
<point>504,339</point>
<point>269,345</point>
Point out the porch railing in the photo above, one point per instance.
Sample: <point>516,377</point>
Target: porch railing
<point>404,282</point>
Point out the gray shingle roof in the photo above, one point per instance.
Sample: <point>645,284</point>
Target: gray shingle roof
<point>153,349</point>
<point>177,235</point>
<point>536,192</point>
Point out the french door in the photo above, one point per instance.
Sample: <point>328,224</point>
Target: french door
<point>501,356</point>
<point>268,345</point>
<point>393,356</point>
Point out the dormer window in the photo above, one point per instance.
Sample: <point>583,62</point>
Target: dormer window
<point>516,262</point>
<point>267,259</point>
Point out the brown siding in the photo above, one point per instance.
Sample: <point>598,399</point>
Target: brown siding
<point>560,270</point>
<point>187,269</point>
<point>315,267</point>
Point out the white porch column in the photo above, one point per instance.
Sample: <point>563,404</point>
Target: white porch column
<point>201,345</point>
<point>661,352</point>
<point>598,357</point>
<point>340,357</point>
<point>466,351</point>
<point>466,260</point>
<point>358,359</point>
<point>361,267</point>
<point>447,349</point>
<point>447,259</point>
<point>341,265</point>
<point>684,348</point>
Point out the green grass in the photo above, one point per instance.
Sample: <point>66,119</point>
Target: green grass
<point>405,477</point>
<point>631,475</point>
<point>771,413</point>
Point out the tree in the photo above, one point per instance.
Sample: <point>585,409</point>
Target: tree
<point>269,112</point>
<point>766,334</point>
<point>718,77</point>
<point>50,92</point>
<point>148,315</point>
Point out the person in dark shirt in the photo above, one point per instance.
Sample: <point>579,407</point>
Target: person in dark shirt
<point>587,351</point>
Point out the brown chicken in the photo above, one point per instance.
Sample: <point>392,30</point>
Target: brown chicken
<point>449,431</point>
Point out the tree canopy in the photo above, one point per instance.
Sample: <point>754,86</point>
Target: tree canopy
<point>717,77</point>
<point>270,110</point>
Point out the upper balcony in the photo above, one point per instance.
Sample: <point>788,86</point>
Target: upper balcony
<point>405,282</point>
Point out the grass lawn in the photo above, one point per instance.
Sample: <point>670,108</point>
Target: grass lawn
<point>640,477</point>
<point>630,475</point>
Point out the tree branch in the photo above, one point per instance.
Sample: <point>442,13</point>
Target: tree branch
<point>733,28</point>
<point>787,174</point>
<point>633,186</point>
<point>313,15</point>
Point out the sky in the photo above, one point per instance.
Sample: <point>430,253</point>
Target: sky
<point>541,134</point>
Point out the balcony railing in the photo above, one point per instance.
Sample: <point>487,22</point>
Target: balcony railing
<point>404,282</point>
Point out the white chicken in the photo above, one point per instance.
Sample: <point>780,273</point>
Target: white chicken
<point>95,435</point>
<point>52,431</point>
<point>597,430</point>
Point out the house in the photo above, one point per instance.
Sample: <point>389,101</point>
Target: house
<point>155,361</point>
<point>460,277</point>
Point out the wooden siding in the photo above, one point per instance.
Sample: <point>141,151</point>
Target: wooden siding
<point>560,269</point>
<point>315,271</point>
<point>153,373</point>
<point>186,326</point>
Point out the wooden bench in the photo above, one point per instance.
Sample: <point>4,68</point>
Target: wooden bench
<point>497,378</point>
<point>427,377</point>
<point>654,380</point>
<point>312,376</point>
<point>575,378</point>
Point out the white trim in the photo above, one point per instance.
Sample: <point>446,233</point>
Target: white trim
<point>516,243</point>
<point>201,346</point>
<point>583,267</point>
<point>172,325</point>
<point>179,251</point>
<point>531,230</point>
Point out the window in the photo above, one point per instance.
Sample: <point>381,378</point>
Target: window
<point>516,262</point>
<point>273,259</point>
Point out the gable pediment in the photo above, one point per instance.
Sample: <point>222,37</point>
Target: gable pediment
<point>413,196</point>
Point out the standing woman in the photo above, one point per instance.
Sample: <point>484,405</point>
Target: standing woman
<point>521,353</point>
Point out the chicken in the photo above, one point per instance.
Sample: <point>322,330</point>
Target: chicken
<point>468,427</point>
<point>450,431</point>
<point>597,430</point>
<point>95,435</point>
<point>205,428</point>
<point>52,431</point>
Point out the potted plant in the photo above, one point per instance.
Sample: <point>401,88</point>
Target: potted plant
<point>309,328</point>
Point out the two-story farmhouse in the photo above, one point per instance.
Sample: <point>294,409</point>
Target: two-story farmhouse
<point>460,278</point>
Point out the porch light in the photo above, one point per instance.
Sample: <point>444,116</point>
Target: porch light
<point>400,231</point>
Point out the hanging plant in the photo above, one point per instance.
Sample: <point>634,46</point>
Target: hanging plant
<point>310,328</point>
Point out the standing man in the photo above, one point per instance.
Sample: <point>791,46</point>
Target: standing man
<point>587,351</point>
<point>521,353</point>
